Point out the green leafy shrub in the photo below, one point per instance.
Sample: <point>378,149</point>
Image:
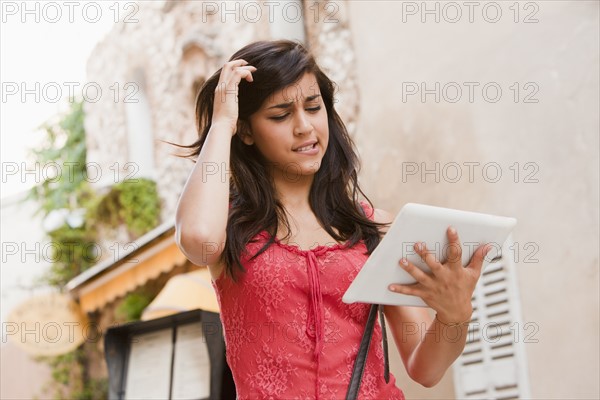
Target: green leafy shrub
<point>133,202</point>
<point>132,306</point>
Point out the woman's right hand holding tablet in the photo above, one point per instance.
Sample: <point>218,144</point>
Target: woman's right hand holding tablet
<point>225,109</point>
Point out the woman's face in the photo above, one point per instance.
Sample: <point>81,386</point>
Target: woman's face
<point>291,130</point>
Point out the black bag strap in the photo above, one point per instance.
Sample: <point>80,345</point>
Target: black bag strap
<point>363,350</point>
<point>386,360</point>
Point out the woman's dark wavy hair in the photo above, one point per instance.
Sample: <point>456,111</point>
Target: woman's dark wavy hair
<point>253,204</point>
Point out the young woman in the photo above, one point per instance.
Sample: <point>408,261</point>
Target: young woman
<point>272,208</point>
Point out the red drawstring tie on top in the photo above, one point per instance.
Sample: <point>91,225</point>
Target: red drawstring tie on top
<point>315,312</point>
<point>315,315</point>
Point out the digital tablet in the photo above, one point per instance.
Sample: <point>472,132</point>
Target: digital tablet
<point>423,223</point>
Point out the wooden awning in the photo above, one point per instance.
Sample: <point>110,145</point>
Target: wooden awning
<point>151,255</point>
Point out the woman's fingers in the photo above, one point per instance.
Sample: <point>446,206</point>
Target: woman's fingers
<point>246,72</point>
<point>232,65</point>
<point>428,257</point>
<point>415,271</point>
<point>416,289</point>
<point>454,251</point>
<point>235,75</point>
<point>449,286</point>
<point>476,262</point>
<point>231,75</point>
<point>226,93</point>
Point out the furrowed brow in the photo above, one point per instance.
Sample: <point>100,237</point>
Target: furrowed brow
<point>288,104</point>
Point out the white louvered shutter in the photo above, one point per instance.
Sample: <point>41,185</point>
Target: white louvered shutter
<point>493,364</point>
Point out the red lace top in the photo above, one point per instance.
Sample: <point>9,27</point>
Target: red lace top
<point>288,334</point>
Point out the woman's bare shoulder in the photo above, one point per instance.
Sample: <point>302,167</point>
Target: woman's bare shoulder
<point>376,214</point>
<point>383,217</point>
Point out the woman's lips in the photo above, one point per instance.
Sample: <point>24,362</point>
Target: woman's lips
<point>308,150</point>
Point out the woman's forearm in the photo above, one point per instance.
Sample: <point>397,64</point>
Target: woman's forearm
<point>427,348</point>
<point>439,347</point>
<point>202,212</point>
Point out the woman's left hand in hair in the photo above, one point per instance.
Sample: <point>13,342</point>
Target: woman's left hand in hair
<point>449,287</point>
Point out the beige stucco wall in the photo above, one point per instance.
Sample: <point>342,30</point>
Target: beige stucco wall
<point>559,135</point>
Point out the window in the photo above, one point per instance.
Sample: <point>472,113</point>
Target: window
<point>288,21</point>
<point>493,363</point>
<point>140,137</point>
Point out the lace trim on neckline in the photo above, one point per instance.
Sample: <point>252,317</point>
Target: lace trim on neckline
<point>320,249</point>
